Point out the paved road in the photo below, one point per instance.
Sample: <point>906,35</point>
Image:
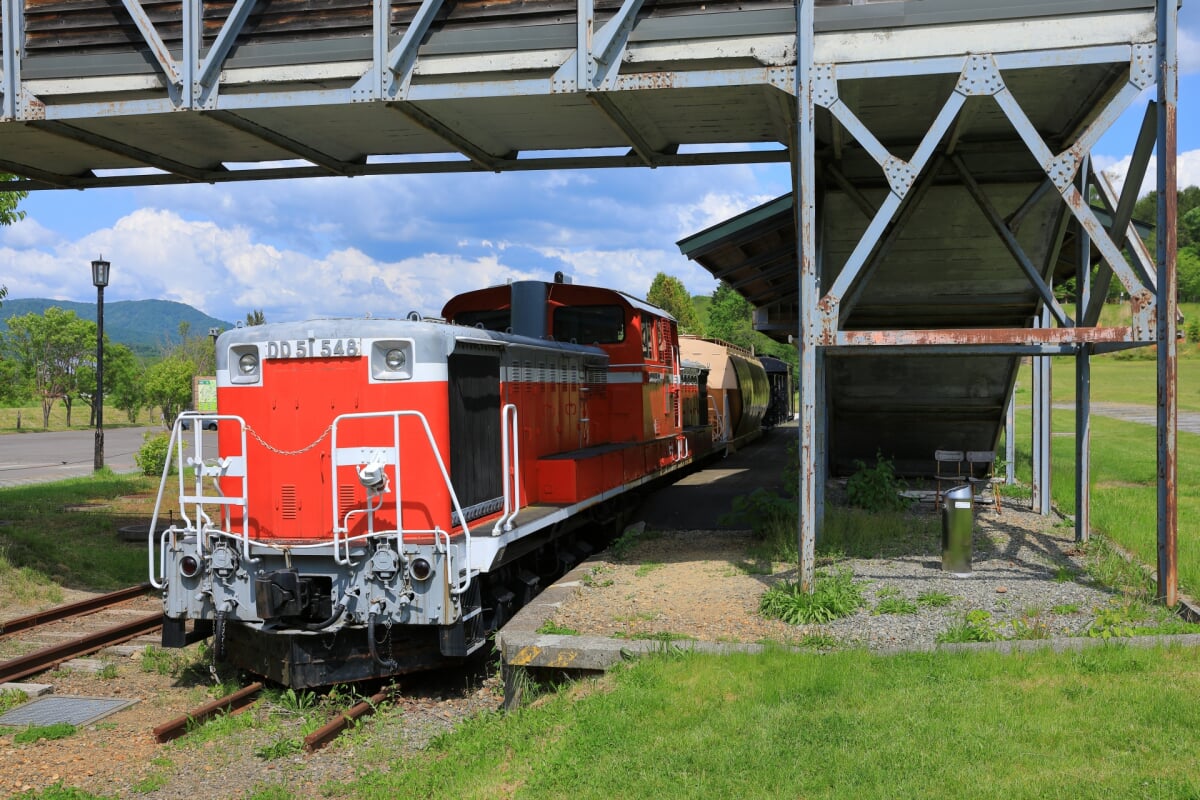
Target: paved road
<point>41,457</point>
<point>1189,421</point>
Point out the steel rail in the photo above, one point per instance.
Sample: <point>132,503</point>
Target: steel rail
<point>72,609</point>
<point>230,703</point>
<point>330,730</point>
<point>48,657</point>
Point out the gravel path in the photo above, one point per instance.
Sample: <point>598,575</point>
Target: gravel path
<point>1027,575</point>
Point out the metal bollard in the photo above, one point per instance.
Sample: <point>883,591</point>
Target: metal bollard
<point>958,523</point>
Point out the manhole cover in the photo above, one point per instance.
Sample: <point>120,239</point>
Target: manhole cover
<point>69,709</point>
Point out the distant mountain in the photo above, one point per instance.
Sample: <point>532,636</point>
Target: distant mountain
<point>145,326</point>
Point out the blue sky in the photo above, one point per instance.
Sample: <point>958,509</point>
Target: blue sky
<point>388,245</point>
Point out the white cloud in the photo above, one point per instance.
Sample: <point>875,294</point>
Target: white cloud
<point>1187,171</point>
<point>1188,47</point>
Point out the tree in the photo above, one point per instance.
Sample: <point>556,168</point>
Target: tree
<point>730,317</point>
<point>49,350</point>
<point>169,384</point>
<point>256,317</point>
<point>9,213</point>
<point>122,381</point>
<point>671,295</point>
<point>1188,273</point>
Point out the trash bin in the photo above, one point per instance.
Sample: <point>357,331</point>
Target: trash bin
<point>958,523</point>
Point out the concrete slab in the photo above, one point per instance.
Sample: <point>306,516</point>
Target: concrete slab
<point>30,689</point>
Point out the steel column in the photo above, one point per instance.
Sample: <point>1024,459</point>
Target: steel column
<point>804,190</point>
<point>1041,426</point>
<point>1010,441</point>
<point>1083,377</point>
<point>1168,89</point>
<point>1083,443</point>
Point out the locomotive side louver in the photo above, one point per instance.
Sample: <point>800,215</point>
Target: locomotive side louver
<point>288,505</point>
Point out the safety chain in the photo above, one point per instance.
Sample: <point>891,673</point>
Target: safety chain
<point>277,451</point>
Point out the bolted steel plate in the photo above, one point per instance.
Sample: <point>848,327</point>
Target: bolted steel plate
<point>70,709</point>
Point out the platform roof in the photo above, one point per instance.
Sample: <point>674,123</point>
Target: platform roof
<point>107,94</point>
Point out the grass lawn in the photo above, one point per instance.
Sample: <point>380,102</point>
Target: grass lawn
<point>65,534</point>
<point>1108,722</point>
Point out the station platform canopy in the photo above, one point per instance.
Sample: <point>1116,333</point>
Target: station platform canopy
<point>99,93</point>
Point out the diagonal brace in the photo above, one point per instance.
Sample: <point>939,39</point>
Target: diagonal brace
<point>224,43</point>
<point>1010,242</point>
<point>157,48</point>
<point>402,59</point>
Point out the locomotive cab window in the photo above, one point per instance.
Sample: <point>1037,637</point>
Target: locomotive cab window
<point>589,324</point>
<point>489,319</point>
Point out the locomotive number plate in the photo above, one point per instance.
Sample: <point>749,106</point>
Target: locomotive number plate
<point>313,348</point>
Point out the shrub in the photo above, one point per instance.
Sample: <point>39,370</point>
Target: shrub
<point>153,454</point>
<point>876,488</point>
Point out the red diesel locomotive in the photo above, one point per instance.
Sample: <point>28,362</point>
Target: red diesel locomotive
<point>386,492</point>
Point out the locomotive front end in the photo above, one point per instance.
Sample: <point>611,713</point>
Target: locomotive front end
<point>325,520</point>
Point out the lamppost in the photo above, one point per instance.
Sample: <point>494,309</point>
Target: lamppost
<point>99,280</point>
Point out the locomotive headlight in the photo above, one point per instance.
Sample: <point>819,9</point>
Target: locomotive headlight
<point>391,360</point>
<point>244,364</point>
<point>395,359</point>
<point>189,566</point>
<point>420,569</point>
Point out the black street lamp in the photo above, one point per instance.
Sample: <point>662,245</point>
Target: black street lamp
<point>99,280</point>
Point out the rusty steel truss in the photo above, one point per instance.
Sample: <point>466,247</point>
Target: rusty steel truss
<point>983,84</point>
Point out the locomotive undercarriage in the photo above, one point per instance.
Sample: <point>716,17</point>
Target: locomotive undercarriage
<point>305,640</point>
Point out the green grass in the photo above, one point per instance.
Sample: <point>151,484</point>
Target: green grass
<point>83,552</point>
<point>37,733</point>
<point>31,418</point>
<point>1124,485</point>
<point>60,792</point>
<point>835,725</point>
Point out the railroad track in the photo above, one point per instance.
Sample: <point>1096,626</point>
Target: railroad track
<point>244,698</point>
<point>86,627</point>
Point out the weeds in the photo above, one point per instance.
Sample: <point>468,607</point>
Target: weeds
<point>37,733</point>
<point>552,628</point>
<point>935,599</point>
<point>647,567</point>
<point>11,698</point>
<point>895,605</point>
<point>281,748</point>
<point>833,596</point>
<point>160,661</point>
<point>976,626</point>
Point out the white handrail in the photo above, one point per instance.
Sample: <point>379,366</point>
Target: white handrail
<point>395,415</point>
<point>513,466</point>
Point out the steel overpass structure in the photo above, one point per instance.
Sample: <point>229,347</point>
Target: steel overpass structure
<point>940,152</point>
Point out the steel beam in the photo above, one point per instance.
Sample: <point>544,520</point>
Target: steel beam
<point>407,168</point>
<point>985,336</point>
<point>1166,240</point>
<point>472,151</point>
<point>617,117</point>
<point>145,157</point>
<point>333,165</point>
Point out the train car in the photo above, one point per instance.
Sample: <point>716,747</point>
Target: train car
<point>737,389</point>
<point>386,492</point>
<point>782,406</point>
